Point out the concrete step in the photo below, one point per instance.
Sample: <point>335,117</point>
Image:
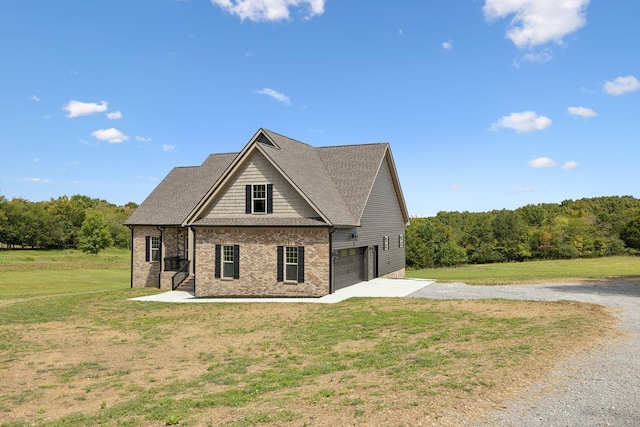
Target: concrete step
<point>188,285</point>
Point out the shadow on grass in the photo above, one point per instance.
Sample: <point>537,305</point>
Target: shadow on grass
<point>612,286</point>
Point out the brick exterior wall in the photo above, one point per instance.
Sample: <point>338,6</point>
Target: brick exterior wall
<point>144,274</point>
<point>258,262</point>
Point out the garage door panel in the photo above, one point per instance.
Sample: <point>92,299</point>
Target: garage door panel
<point>349,267</point>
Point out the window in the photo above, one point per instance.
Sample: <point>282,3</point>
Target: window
<point>385,241</point>
<point>401,241</point>
<point>291,264</point>
<point>227,262</point>
<point>259,199</point>
<point>152,249</point>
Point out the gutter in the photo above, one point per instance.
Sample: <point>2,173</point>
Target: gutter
<point>331,286</point>
<point>131,261</point>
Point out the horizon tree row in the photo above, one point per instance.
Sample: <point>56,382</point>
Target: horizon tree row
<point>585,228</point>
<point>63,223</point>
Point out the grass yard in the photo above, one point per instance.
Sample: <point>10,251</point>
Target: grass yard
<point>535,271</point>
<point>80,353</point>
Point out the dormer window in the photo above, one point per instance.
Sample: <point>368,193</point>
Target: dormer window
<point>259,199</point>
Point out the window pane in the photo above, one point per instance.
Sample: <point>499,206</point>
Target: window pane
<point>291,273</point>
<point>227,253</point>
<point>292,255</point>
<point>259,191</point>
<point>259,206</point>
<point>227,269</point>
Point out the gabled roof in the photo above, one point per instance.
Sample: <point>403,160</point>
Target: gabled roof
<point>335,181</point>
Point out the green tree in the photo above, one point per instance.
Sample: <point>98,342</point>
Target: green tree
<point>94,234</point>
<point>631,234</point>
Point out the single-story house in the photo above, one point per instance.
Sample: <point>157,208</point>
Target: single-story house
<point>279,218</point>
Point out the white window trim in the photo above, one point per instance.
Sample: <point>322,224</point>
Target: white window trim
<point>401,241</point>
<point>254,199</point>
<point>385,241</point>
<point>287,263</point>
<point>223,261</point>
<point>154,250</point>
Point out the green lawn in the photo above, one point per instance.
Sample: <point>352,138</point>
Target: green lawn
<point>75,351</point>
<point>535,271</point>
<point>45,272</point>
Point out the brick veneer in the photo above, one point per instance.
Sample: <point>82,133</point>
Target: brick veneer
<point>258,262</point>
<point>143,273</point>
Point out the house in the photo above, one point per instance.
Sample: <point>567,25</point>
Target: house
<point>279,218</point>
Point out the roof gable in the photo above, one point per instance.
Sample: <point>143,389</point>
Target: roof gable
<point>336,182</point>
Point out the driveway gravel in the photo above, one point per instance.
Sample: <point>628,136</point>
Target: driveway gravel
<point>599,387</point>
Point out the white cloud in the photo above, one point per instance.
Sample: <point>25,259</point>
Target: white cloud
<point>275,95</point>
<point>41,180</point>
<point>536,22</point>
<point>542,162</point>
<point>447,45</point>
<point>77,108</point>
<point>142,139</point>
<point>269,10</point>
<point>622,85</point>
<point>570,165</point>
<point>167,147</point>
<point>541,57</point>
<point>33,98</point>
<point>582,112</point>
<point>527,121</point>
<point>111,135</point>
<point>116,115</point>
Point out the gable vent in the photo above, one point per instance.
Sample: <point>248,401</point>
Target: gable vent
<point>264,140</point>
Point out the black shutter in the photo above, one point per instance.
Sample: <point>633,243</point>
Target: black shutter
<point>300,264</point>
<point>269,198</point>
<point>236,261</point>
<point>147,248</point>
<point>217,261</point>
<point>280,264</point>
<point>247,199</point>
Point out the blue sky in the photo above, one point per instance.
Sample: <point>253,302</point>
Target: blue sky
<point>487,104</point>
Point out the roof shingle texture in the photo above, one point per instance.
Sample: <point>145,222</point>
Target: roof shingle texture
<point>336,180</point>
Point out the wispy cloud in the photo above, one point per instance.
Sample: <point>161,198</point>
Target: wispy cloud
<point>522,190</point>
<point>570,165</point>
<point>448,45</point>
<point>77,108</point>
<point>542,162</point>
<point>142,139</point>
<point>270,10</point>
<point>167,147</point>
<point>456,186</point>
<point>33,98</point>
<point>524,122</point>
<point>581,112</point>
<point>538,22</point>
<point>40,180</point>
<point>622,85</point>
<point>116,115</point>
<point>280,97</point>
<point>111,135</point>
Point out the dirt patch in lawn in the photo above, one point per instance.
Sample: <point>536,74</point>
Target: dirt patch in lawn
<point>361,362</point>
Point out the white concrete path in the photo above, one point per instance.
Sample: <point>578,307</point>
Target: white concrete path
<point>376,288</point>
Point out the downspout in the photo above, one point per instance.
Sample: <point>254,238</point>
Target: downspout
<point>193,230</point>
<point>331,231</point>
<point>131,264</point>
<point>160,255</point>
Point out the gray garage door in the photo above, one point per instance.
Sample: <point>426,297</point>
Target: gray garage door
<point>349,267</point>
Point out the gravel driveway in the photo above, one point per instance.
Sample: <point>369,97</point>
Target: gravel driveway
<point>600,387</point>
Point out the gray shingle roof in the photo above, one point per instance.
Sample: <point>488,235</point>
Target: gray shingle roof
<point>336,180</point>
<point>179,192</point>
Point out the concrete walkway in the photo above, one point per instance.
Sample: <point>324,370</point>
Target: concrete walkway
<point>376,288</point>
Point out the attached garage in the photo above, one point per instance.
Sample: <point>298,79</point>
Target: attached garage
<point>349,267</point>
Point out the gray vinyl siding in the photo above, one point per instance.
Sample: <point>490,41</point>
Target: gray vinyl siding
<point>287,202</point>
<point>382,216</point>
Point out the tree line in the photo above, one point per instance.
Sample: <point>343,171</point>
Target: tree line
<point>77,222</point>
<point>585,228</point>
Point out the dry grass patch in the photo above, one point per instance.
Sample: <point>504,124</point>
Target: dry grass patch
<point>99,359</point>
